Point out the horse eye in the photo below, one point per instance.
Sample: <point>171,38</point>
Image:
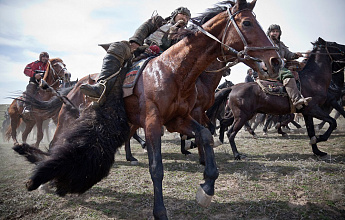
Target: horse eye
<point>246,23</point>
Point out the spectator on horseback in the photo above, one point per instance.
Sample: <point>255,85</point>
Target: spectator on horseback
<point>155,31</point>
<point>35,71</point>
<point>285,75</point>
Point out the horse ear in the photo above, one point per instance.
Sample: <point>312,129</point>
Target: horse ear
<point>241,4</point>
<point>321,41</point>
<point>252,5</point>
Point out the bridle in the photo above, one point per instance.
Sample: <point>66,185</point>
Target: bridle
<point>240,55</point>
<point>56,76</point>
<point>338,61</point>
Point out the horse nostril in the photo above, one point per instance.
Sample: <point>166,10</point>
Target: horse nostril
<point>275,62</point>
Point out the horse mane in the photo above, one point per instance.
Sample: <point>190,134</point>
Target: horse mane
<point>202,19</point>
<point>48,66</point>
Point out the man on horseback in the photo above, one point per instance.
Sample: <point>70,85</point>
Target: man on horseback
<point>285,75</point>
<point>35,71</point>
<point>155,31</point>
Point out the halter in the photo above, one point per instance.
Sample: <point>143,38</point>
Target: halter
<point>241,55</point>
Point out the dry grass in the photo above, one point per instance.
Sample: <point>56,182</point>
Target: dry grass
<point>281,179</point>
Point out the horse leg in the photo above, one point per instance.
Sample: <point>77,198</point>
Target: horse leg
<point>129,156</point>
<point>204,139</point>
<point>280,124</point>
<point>224,124</point>
<point>15,121</point>
<point>153,131</point>
<point>139,139</point>
<point>311,133</point>
<point>268,121</point>
<point>39,128</point>
<point>250,130</point>
<point>236,126</point>
<point>183,145</point>
<point>320,114</point>
<point>28,127</point>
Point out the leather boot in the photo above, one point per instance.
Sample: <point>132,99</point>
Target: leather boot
<point>110,66</point>
<point>30,92</point>
<point>294,94</point>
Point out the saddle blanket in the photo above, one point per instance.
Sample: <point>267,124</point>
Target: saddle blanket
<point>132,76</point>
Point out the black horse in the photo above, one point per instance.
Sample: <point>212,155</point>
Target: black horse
<point>247,99</point>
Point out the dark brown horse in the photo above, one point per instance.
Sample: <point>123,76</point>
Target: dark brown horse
<point>55,73</point>
<point>247,99</point>
<point>164,95</point>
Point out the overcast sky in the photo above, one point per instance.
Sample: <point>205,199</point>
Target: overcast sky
<point>72,29</point>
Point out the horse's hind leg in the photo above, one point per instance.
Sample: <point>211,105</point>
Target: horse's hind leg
<point>28,127</point>
<point>236,126</point>
<point>250,130</point>
<point>129,155</point>
<point>39,128</point>
<point>140,140</point>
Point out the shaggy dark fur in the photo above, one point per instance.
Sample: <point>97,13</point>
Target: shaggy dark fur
<point>86,155</point>
<point>32,154</point>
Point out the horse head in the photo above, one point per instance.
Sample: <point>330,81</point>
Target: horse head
<point>336,53</point>
<point>252,45</point>
<point>56,72</point>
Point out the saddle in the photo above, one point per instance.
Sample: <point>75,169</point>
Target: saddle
<point>133,74</point>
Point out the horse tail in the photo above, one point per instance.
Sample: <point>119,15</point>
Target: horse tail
<point>86,153</point>
<point>51,105</point>
<point>220,97</point>
<point>8,133</point>
<point>32,154</point>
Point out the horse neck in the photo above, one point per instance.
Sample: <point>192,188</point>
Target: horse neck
<point>49,78</point>
<point>192,55</point>
<point>211,79</point>
<point>318,68</point>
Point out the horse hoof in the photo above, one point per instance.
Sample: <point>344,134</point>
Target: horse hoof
<point>134,162</point>
<point>255,136</point>
<point>313,140</point>
<point>285,135</point>
<point>265,133</point>
<point>217,143</point>
<point>202,198</point>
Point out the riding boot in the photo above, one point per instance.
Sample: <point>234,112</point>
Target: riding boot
<point>30,92</point>
<point>295,95</point>
<point>110,66</point>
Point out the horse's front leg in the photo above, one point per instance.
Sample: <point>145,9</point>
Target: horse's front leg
<point>311,133</point>
<point>153,131</point>
<point>203,138</point>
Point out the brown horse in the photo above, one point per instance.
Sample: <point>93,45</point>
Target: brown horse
<point>247,99</point>
<point>164,95</point>
<point>55,73</point>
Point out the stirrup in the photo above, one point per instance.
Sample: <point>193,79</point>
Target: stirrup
<point>101,100</point>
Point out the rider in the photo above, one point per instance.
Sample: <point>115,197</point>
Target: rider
<point>155,31</point>
<point>35,71</point>
<point>285,76</point>
<point>251,75</point>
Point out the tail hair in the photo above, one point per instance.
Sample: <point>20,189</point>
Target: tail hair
<point>220,97</point>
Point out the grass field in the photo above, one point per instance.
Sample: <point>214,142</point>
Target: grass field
<point>281,179</point>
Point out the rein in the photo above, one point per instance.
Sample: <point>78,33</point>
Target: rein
<point>241,55</point>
